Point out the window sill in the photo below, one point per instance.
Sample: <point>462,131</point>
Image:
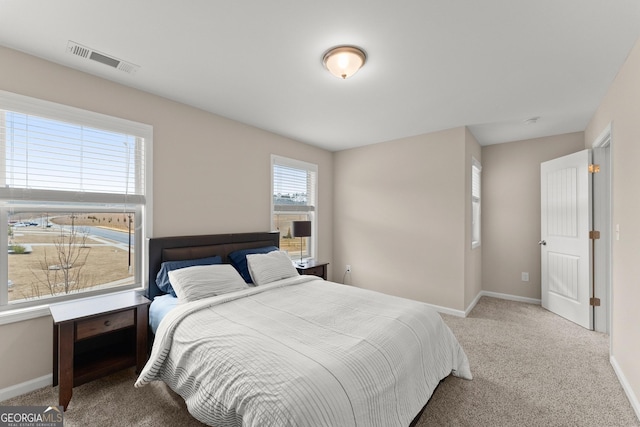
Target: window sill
<point>22,314</point>
<point>29,313</point>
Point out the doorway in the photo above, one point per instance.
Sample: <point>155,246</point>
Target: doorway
<point>576,262</point>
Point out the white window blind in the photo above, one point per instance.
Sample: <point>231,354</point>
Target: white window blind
<point>44,157</point>
<point>294,188</point>
<point>476,170</point>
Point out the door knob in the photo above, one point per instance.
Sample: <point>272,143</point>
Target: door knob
<point>542,242</point>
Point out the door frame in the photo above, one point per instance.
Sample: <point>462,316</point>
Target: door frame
<point>602,197</point>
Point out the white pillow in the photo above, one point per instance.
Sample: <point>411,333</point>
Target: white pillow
<point>269,267</point>
<point>202,281</point>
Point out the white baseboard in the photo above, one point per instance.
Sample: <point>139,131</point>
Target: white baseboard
<point>511,297</point>
<point>473,304</point>
<point>447,310</point>
<point>26,387</point>
<point>460,313</point>
<point>501,296</point>
<point>633,399</point>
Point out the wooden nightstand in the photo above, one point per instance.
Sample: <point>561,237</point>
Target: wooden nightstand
<point>314,268</point>
<point>94,337</point>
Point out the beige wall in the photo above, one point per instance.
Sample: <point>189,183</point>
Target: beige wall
<point>400,213</point>
<point>211,175</point>
<point>621,108</point>
<point>25,351</point>
<point>511,211</point>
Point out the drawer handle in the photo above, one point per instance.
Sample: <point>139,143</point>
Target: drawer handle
<point>107,323</point>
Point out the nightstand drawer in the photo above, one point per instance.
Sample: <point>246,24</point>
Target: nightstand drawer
<point>315,271</point>
<point>105,323</point>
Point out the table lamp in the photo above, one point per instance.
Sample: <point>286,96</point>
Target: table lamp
<point>301,229</point>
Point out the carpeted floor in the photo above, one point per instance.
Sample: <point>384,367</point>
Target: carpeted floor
<point>530,367</point>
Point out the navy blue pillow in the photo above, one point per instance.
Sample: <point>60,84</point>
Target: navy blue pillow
<point>162,279</point>
<point>239,260</point>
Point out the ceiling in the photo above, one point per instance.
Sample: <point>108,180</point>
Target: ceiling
<point>432,64</point>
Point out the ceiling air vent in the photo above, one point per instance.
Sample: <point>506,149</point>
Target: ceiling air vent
<point>88,53</point>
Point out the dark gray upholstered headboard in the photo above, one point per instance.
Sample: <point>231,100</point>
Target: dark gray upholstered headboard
<point>192,247</point>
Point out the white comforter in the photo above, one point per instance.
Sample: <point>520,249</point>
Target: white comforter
<point>304,352</point>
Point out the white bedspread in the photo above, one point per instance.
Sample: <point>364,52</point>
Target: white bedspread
<point>304,352</point>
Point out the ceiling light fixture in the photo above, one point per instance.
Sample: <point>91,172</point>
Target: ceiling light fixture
<point>344,61</point>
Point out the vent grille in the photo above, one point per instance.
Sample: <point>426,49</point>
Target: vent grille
<point>128,68</point>
<point>79,50</point>
<point>92,54</point>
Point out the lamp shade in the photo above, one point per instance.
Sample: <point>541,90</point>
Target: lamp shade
<point>301,228</point>
<point>344,61</point>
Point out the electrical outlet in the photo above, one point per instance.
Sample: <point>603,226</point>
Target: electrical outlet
<point>348,268</point>
<point>525,277</point>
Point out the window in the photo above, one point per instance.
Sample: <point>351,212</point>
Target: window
<point>476,170</point>
<point>294,188</point>
<point>74,187</point>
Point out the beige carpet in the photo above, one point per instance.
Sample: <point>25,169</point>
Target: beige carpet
<point>530,367</point>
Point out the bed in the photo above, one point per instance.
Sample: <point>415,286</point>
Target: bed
<point>289,350</point>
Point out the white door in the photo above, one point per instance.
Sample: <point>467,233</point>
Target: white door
<point>565,245</point>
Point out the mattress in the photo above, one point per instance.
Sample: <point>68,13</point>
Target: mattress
<point>160,306</point>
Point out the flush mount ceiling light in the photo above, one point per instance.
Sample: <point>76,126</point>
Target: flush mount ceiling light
<point>344,61</point>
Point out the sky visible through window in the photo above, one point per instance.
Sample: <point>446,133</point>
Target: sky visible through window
<point>49,154</point>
